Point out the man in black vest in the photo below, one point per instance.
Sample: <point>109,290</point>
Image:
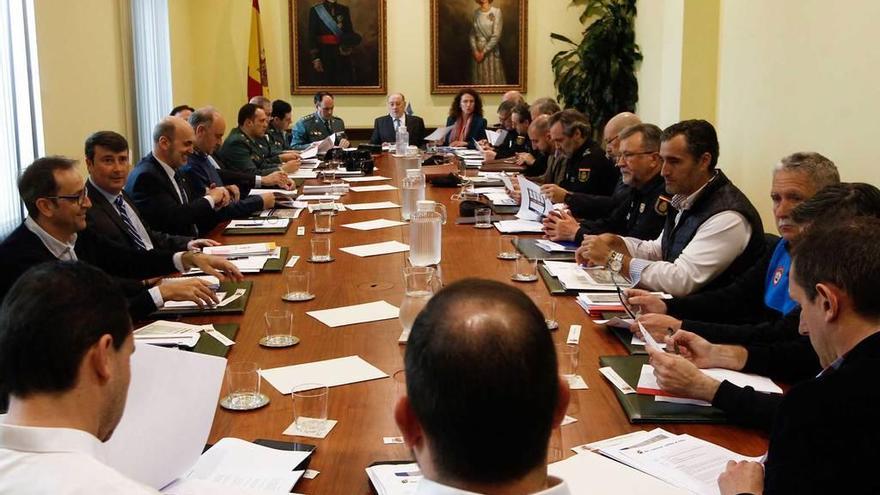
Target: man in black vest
<point>713,234</point>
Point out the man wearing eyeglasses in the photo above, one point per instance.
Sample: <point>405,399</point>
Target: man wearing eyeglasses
<point>642,211</point>
<point>591,202</point>
<point>57,200</point>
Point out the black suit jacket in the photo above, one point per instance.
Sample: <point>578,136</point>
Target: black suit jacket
<point>22,249</point>
<point>383,130</point>
<point>823,440</point>
<point>104,221</point>
<point>156,198</point>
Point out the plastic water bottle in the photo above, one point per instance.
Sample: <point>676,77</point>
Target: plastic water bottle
<point>402,140</point>
<point>413,191</point>
<point>425,232</point>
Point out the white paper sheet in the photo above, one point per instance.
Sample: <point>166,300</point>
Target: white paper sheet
<point>330,372</point>
<point>381,205</point>
<point>168,415</point>
<point>257,192</point>
<point>366,178</point>
<point>358,313</point>
<point>303,173</point>
<point>330,189</point>
<point>317,197</point>
<point>648,382</point>
<point>383,187</point>
<point>253,248</point>
<point>376,249</point>
<point>187,304</point>
<point>533,205</point>
<point>439,134</point>
<point>501,199</point>
<point>598,475</point>
<point>519,226</point>
<point>495,138</point>
<point>381,223</point>
<point>236,464</point>
<point>211,280</point>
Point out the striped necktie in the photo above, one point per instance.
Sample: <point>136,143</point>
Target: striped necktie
<point>129,226</point>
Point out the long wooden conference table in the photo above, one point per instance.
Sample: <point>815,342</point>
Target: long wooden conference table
<point>364,410</point>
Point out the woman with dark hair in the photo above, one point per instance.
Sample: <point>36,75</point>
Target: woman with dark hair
<point>466,119</point>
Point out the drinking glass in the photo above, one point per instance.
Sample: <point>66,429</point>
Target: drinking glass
<point>507,247</point>
<point>321,250</point>
<point>323,221</point>
<point>279,328</point>
<point>298,286</point>
<point>483,218</point>
<point>310,407</point>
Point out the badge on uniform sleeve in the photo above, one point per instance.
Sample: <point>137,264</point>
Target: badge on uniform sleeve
<point>641,207</point>
<point>661,206</point>
<point>520,140</point>
<point>777,275</point>
<point>583,174</point>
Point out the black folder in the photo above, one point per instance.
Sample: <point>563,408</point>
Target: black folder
<point>643,408</point>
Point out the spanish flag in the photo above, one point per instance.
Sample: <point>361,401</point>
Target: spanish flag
<point>258,79</point>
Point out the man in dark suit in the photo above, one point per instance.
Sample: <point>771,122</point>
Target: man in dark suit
<point>113,214</point>
<point>203,170</point>
<point>57,200</point>
<point>385,127</point>
<point>820,442</point>
<point>163,195</point>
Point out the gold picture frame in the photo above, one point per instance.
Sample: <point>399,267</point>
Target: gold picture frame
<point>352,56</point>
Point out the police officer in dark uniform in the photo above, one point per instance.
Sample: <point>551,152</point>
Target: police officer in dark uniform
<point>642,208</point>
<point>319,125</point>
<point>331,39</point>
<point>589,174</point>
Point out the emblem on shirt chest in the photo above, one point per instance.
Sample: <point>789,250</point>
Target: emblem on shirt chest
<point>661,206</point>
<point>583,174</point>
<point>641,207</point>
<point>777,275</point>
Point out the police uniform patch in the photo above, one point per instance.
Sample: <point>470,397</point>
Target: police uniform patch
<point>520,140</point>
<point>661,206</point>
<point>777,275</point>
<point>583,174</point>
<point>641,207</point>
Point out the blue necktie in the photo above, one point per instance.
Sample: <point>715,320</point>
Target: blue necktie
<point>129,227</point>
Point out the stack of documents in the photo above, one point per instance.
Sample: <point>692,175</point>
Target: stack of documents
<point>268,223</point>
<point>323,206</point>
<point>304,172</point>
<point>596,303</point>
<point>278,192</point>
<point>334,189</point>
<point>162,332</point>
<point>501,199</point>
<point>648,384</point>
<point>592,473</point>
<point>557,247</point>
<point>680,460</point>
<point>395,479</point>
<point>212,281</point>
<point>249,263</point>
<point>239,250</point>
<point>575,277</point>
<point>519,226</point>
<point>233,465</point>
<point>317,197</point>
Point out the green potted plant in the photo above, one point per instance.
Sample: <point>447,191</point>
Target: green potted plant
<point>597,75</point>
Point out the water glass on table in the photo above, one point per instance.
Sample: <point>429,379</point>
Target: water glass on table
<point>310,407</point>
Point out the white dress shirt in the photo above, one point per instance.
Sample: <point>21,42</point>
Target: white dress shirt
<point>715,245</point>
<point>59,461</point>
<point>428,487</point>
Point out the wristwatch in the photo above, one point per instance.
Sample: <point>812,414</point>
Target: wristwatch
<point>615,262</point>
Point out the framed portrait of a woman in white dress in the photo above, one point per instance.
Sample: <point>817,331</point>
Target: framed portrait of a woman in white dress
<point>479,44</point>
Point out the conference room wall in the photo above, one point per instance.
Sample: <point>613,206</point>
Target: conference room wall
<point>797,75</point>
<point>84,65</point>
<point>209,43</point>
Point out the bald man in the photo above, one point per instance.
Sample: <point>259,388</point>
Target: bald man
<point>385,127</point>
<point>163,195</point>
<point>514,96</point>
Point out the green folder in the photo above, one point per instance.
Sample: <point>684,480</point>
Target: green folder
<point>643,408</point>
<point>530,249</point>
<point>235,307</point>
<point>553,284</point>
<point>276,265</point>
<point>212,346</point>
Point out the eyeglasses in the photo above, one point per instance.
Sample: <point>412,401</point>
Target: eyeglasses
<point>608,154</point>
<point>79,198</point>
<point>626,155</point>
<point>621,297</point>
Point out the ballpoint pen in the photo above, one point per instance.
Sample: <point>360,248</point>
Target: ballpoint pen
<point>670,332</point>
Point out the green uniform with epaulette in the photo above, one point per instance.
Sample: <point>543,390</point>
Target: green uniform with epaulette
<point>278,141</point>
<point>313,128</point>
<point>243,154</point>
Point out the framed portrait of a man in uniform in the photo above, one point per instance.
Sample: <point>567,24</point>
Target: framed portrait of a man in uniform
<point>337,45</point>
<point>479,44</point>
